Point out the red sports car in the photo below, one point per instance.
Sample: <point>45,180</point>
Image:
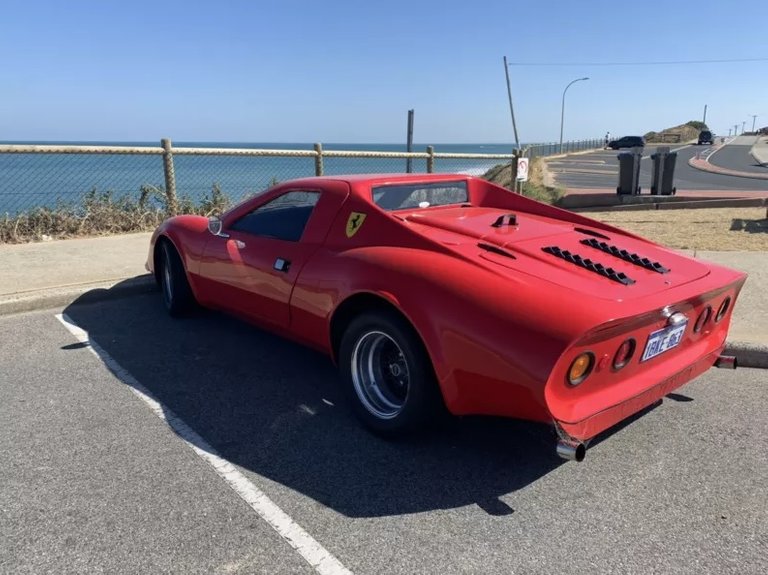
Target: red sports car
<point>447,291</point>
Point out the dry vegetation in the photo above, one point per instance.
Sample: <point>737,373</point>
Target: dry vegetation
<point>103,213</point>
<point>533,188</point>
<point>723,229</point>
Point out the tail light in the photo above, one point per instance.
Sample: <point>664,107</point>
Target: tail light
<point>703,318</point>
<point>723,309</point>
<point>624,353</point>
<point>581,367</point>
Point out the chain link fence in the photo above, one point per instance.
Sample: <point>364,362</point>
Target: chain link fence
<point>194,179</point>
<point>554,148</point>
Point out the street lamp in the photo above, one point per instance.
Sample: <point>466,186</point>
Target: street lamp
<point>562,111</point>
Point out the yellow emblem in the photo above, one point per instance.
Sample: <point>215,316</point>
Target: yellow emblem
<point>354,223</point>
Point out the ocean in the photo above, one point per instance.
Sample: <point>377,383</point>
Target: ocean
<point>28,181</point>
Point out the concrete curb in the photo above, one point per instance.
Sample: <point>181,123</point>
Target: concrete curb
<point>81,293</point>
<point>705,166</point>
<point>748,354</point>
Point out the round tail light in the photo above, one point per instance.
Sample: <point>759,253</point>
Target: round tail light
<point>624,354</point>
<point>581,367</point>
<point>703,318</point>
<point>723,309</point>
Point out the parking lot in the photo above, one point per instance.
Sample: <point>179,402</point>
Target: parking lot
<point>137,443</point>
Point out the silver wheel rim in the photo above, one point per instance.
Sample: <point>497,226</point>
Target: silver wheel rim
<point>380,374</point>
<point>167,281</point>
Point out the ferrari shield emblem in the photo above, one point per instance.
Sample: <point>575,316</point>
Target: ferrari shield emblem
<point>354,223</point>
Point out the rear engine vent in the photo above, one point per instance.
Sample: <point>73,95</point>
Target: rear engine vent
<point>634,259</point>
<point>589,232</point>
<point>495,250</point>
<point>588,264</point>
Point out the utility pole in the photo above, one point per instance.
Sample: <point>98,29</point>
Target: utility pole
<point>735,130</point>
<point>511,109</point>
<point>729,132</point>
<point>744,123</point>
<point>754,117</point>
<point>704,121</point>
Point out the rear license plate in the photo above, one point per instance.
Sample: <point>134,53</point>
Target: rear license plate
<point>663,340</point>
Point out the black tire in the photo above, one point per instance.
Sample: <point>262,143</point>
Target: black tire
<point>406,397</point>
<point>174,285</point>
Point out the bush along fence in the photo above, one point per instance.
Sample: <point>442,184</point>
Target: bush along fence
<point>64,190</point>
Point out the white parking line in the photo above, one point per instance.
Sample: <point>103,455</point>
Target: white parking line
<point>314,553</point>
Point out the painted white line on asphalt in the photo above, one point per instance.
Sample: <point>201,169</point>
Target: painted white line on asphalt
<point>304,544</point>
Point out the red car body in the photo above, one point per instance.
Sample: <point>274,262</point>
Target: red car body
<point>503,291</point>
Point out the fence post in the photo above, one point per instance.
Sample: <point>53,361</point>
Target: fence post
<point>319,160</point>
<point>171,202</point>
<point>430,159</point>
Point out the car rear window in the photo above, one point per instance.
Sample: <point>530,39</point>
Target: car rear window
<point>408,196</point>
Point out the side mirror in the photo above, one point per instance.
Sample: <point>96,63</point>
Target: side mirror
<point>214,226</point>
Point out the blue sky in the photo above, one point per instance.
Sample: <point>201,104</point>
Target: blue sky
<point>338,71</point>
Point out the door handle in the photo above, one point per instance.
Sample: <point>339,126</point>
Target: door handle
<point>282,265</point>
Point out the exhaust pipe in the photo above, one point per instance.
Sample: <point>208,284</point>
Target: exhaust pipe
<point>571,450</point>
<point>726,362</point>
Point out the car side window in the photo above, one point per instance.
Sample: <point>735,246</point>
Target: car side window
<point>283,218</point>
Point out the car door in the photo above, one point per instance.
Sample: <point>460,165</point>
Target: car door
<point>252,266</point>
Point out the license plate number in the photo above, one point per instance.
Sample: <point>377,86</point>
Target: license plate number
<point>663,340</point>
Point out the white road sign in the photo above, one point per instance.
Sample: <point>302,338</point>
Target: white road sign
<point>522,169</point>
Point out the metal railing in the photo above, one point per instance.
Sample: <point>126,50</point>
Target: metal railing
<point>36,177</point>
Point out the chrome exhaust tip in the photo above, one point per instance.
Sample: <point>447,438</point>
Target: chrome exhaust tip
<point>571,450</point>
<point>726,362</point>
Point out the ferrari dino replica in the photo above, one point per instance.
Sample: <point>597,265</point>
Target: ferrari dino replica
<point>434,292</point>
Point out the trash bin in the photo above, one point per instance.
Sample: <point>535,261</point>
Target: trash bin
<point>663,172</point>
<point>629,172</point>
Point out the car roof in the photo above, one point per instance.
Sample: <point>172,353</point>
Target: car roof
<point>361,183</point>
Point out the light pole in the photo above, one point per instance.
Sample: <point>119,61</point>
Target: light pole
<point>511,109</point>
<point>754,117</point>
<point>562,110</point>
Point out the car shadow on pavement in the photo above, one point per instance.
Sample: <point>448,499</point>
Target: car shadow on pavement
<point>276,409</point>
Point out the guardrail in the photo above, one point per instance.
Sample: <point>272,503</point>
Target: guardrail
<point>34,177</point>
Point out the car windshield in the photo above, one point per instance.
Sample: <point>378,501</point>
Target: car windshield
<point>418,195</point>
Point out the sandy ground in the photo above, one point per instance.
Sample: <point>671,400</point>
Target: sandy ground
<point>723,229</point>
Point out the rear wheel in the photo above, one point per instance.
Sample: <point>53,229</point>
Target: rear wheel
<point>177,295</point>
<point>387,374</point>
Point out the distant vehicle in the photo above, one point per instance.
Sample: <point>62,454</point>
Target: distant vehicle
<point>443,291</point>
<point>627,142</point>
<point>706,137</point>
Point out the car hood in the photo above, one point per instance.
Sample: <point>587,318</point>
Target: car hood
<point>521,246</point>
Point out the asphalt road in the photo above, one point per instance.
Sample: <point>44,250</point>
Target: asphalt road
<point>601,170</point>
<point>91,480</point>
<point>736,156</point>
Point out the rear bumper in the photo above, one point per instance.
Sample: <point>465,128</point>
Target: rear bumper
<point>591,426</point>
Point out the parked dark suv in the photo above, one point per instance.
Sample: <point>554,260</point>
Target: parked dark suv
<point>705,137</point>
<point>627,142</point>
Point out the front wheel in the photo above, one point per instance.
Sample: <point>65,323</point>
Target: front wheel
<point>387,375</point>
